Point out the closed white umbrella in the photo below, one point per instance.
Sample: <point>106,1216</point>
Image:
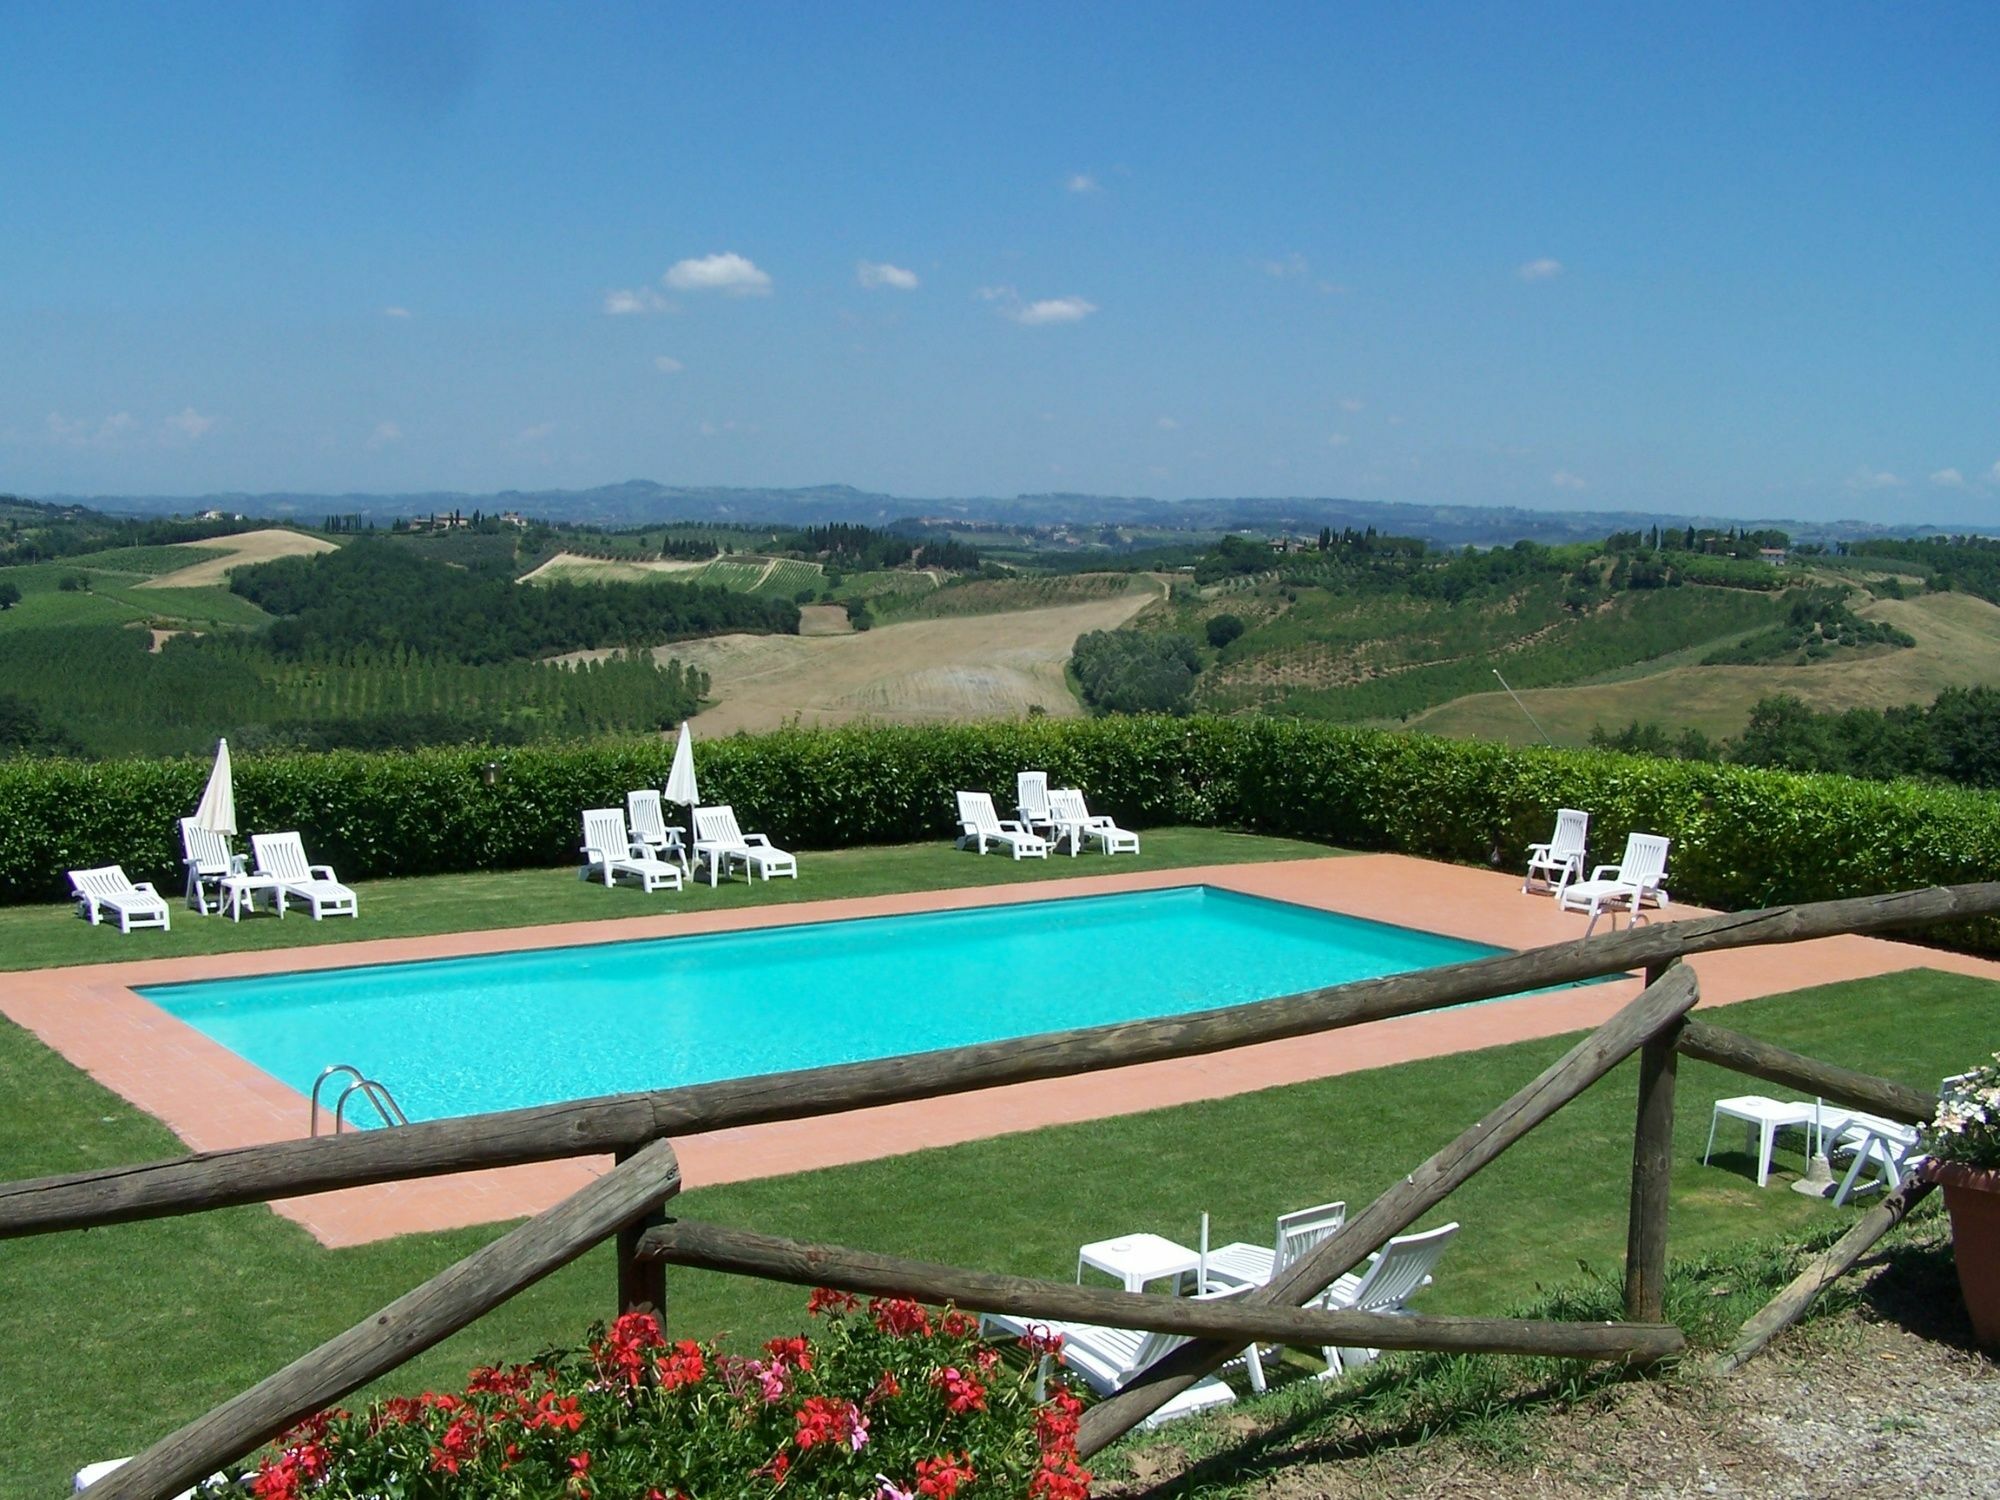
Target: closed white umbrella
<point>680,780</point>
<point>217,812</point>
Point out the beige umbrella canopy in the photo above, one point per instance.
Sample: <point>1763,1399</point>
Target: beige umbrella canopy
<point>217,812</point>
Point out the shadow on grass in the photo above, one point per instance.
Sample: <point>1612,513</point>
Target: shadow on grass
<point>1913,1283</point>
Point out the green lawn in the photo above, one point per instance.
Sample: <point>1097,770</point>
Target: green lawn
<point>108,1338</point>
<point>42,937</point>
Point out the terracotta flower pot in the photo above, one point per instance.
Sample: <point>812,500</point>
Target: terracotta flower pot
<point>1972,1194</point>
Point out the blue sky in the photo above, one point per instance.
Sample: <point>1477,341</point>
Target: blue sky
<point>1733,259</point>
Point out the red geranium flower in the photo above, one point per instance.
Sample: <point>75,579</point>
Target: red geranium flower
<point>942,1476</point>
<point>962,1390</point>
<point>899,1316</point>
<point>684,1366</point>
<point>825,1299</point>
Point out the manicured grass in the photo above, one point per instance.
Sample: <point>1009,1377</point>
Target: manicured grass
<point>43,937</point>
<point>112,1337</point>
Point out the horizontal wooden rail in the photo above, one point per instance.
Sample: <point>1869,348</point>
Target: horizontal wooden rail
<point>406,1327</point>
<point>1656,1011</point>
<point>255,1174</point>
<point>712,1247</point>
<point>1744,1054</point>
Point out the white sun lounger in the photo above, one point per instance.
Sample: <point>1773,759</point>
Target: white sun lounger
<point>1636,880</point>
<point>1074,824</point>
<point>651,828</point>
<point>609,850</point>
<point>281,858</point>
<point>110,890</point>
<point>1245,1264</point>
<point>980,825</point>
<point>209,861</point>
<point>1031,803</point>
<point>719,843</point>
<point>1560,860</point>
<point>1396,1273</point>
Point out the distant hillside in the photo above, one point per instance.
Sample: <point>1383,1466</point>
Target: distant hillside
<point>640,501</point>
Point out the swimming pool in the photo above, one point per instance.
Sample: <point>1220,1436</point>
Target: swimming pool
<point>465,1035</point>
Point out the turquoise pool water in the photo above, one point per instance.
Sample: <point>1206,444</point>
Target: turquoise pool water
<point>464,1035</point>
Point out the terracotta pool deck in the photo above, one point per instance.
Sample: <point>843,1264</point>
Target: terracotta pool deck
<point>212,1099</point>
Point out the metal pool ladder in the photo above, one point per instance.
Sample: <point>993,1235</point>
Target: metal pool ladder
<point>373,1090</point>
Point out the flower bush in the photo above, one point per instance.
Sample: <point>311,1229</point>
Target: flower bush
<point>894,1402</point>
<point>1967,1128</point>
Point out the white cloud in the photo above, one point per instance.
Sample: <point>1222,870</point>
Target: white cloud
<point>1994,472</point>
<point>77,432</point>
<point>637,300</point>
<point>727,272</point>
<point>1351,404</point>
<point>1294,264</point>
<point>876,273</point>
<point>395,312</point>
<point>384,434</point>
<point>1081,182</point>
<point>1949,479</point>
<point>1035,314</point>
<point>1545,269</point>
<point>1562,479</point>
<point>539,432</point>
<point>1865,478</point>
<point>666,364</point>
<point>1052,310</point>
<point>1168,424</point>
<point>189,423</point>
<point>1338,440</point>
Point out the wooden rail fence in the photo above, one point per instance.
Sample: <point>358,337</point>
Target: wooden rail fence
<point>628,1202</point>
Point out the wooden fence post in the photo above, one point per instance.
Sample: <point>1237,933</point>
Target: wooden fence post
<point>641,1283</point>
<point>1652,1173</point>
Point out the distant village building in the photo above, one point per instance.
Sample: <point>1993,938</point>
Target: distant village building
<point>1777,557</point>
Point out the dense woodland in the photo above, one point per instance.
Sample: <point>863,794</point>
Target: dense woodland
<point>1133,672</point>
<point>370,594</point>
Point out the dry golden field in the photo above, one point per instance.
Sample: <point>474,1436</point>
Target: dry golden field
<point>1958,645</point>
<point>243,548</point>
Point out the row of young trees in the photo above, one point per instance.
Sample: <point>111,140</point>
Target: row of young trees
<point>1132,672</point>
<point>372,593</point>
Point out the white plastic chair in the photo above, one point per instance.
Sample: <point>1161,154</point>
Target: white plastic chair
<point>281,857</point>
<point>1636,880</point>
<point>110,889</point>
<point>651,828</point>
<point>1031,799</point>
<point>1396,1273</point>
<point>1560,860</point>
<point>1872,1141</point>
<point>1244,1264</point>
<point>980,825</point>
<point>610,850</point>
<point>208,858</point>
<point>1073,824</point>
<point>1108,1358</point>
<point>719,842</point>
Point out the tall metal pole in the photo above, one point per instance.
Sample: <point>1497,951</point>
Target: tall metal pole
<point>1524,709</point>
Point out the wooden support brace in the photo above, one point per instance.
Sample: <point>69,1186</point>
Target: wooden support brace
<point>1745,1054</point>
<point>1652,1175</point>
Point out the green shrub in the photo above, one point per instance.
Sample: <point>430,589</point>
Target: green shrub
<point>1742,837</point>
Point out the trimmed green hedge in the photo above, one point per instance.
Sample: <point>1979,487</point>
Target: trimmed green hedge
<point>1742,838</point>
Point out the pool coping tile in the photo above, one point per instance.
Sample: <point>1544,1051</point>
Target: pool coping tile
<point>214,1100</point>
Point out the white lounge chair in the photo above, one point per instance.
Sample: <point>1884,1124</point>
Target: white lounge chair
<point>1636,880</point>
<point>1872,1141</point>
<point>980,825</point>
<point>1031,804</point>
<point>651,828</point>
<point>209,860</point>
<point>1396,1273</point>
<point>281,857</point>
<point>1074,824</point>
<point>1560,860</point>
<point>719,843</point>
<point>611,851</point>
<point>1108,1358</point>
<point>1245,1264</point>
<point>111,890</point>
